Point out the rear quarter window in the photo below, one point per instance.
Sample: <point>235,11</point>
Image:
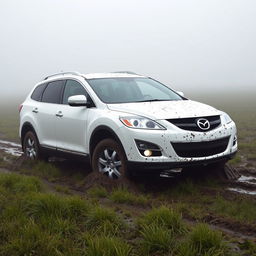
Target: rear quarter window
<point>37,93</point>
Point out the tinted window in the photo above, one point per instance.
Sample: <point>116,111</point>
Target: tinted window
<point>73,88</point>
<point>53,91</point>
<point>37,93</point>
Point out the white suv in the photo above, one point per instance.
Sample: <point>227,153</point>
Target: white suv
<point>122,122</point>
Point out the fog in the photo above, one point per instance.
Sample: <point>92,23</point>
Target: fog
<point>191,45</point>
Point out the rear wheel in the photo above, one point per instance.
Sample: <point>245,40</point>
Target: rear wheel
<point>31,147</point>
<point>109,159</point>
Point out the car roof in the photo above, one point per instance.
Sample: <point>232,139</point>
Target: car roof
<point>110,75</point>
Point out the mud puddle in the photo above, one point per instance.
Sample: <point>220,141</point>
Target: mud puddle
<point>246,184</point>
<point>11,148</point>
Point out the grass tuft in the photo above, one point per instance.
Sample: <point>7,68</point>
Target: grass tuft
<point>49,205</point>
<point>104,220</point>
<point>123,196</point>
<point>32,241</point>
<point>62,189</point>
<point>108,246</point>
<point>15,183</point>
<point>164,217</point>
<point>44,170</point>
<point>202,241</point>
<point>203,238</point>
<point>98,192</point>
<point>156,239</point>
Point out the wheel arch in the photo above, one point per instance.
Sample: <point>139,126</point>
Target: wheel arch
<point>102,132</point>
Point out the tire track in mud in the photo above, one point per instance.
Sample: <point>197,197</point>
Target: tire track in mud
<point>246,183</point>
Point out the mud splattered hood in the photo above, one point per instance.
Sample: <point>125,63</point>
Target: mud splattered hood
<point>166,109</point>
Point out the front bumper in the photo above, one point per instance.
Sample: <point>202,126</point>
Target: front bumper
<point>140,166</point>
<point>173,134</point>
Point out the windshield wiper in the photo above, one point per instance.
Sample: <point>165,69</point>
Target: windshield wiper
<point>151,100</point>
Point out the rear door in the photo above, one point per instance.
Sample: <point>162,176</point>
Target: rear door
<point>47,111</point>
<point>71,124</point>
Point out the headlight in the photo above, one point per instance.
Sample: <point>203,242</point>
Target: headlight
<point>140,123</point>
<point>227,119</point>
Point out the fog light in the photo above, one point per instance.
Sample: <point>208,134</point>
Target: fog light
<point>147,153</point>
<point>148,149</point>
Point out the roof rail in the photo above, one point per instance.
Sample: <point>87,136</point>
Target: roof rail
<point>63,73</point>
<point>126,72</point>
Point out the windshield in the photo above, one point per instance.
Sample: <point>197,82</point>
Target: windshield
<point>132,89</point>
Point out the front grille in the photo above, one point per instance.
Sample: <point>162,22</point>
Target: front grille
<point>201,149</point>
<point>190,124</point>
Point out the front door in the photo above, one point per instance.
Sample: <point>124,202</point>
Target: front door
<point>71,123</point>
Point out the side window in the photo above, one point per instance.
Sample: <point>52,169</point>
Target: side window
<point>73,88</point>
<point>37,93</point>
<point>53,92</point>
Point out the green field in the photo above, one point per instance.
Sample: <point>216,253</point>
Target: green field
<point>60,208</point>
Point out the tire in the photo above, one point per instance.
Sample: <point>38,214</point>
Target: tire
<point>109,159</point>
<point>31,147</point>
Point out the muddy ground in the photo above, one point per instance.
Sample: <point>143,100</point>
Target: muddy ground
<point>243,185</point>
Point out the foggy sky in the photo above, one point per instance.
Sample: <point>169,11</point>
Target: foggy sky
<point>188,44</point>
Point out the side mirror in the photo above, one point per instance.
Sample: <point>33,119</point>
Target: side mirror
<point>181,93</point>
<point>77,101</point>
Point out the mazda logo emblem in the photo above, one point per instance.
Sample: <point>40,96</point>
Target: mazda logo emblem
<point>203,124</point>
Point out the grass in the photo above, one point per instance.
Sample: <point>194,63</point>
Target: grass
<point>42,169</point>
<point>249,247</point>
<point>185,188</point>
<point>108,246</point>
<point>62,189</point>
<point>16,184</point>
<point>156,238</point>
<point>98,192</point>
<point>163,217</point>
<point>41,205</point>
<point>203,241</point>
<point>104,221</point>
<point>9,122</point>
<point>236,160</point>
<point>240,209</point>
<point>122,196</point>
<point>36,222</point>
<point>32,241</point>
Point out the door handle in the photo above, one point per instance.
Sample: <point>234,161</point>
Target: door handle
<point>35,110</point>
<point>59,114</point>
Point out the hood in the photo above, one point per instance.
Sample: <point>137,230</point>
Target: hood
<point>166,109</point>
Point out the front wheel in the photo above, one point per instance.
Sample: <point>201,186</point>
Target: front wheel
<point>109,159</point>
